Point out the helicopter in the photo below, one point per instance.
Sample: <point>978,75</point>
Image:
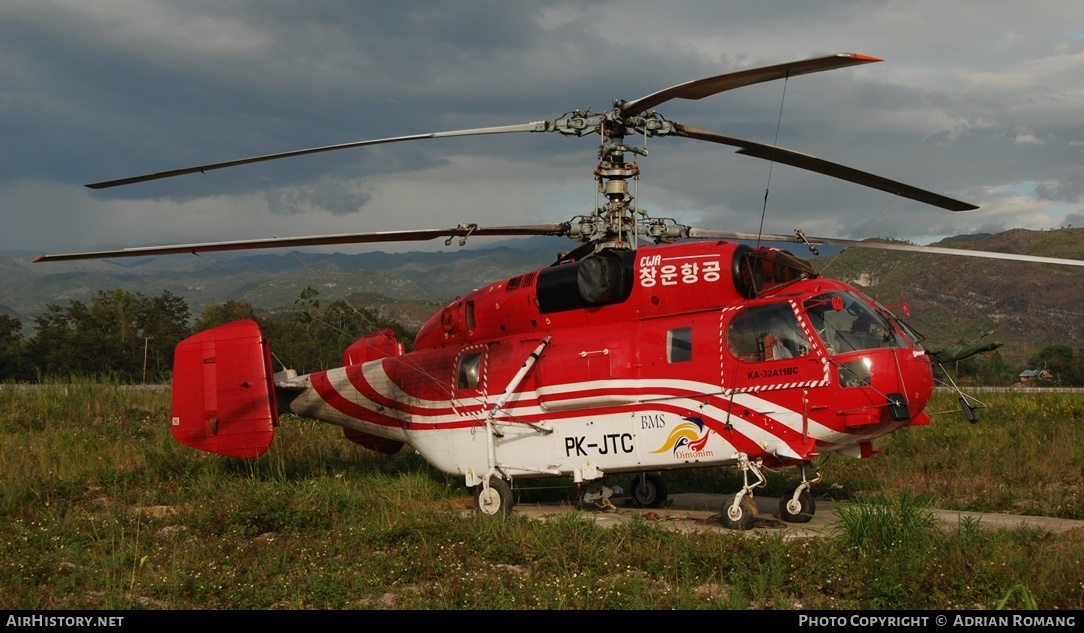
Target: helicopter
<point>649,347</point>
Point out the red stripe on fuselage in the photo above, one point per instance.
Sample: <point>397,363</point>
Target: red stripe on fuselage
<point>356,376</point>
<point>327,392</point>
<point>416,414</point>
<point>334,399</point>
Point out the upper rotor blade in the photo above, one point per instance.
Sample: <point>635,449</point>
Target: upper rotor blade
<point>536,126</point>
<point>701,88</point>
<point>821,166</point>
<point>887,246</point>
<point>462,231</point>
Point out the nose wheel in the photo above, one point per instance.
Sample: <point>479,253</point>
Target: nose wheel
<point>739,512</point>
<point>799,506</point>
<point>494,499</point>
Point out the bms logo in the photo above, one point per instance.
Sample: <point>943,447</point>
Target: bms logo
<point>687,440</point>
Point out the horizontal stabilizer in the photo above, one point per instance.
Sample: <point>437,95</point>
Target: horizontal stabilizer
<point>223,394</point>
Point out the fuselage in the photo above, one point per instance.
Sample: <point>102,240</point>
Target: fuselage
<point>665,357</point>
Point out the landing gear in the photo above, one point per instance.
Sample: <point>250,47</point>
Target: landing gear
<point>739,512</point>
<point>799,506</point>
<point>496,500</point>
<point>648,491</point>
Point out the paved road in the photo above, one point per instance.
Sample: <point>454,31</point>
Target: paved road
<point>692,512</point>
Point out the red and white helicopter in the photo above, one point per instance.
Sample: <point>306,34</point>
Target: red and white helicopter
<point>637,352</point>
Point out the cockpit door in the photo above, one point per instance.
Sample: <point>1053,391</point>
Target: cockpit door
<point>768,346</point>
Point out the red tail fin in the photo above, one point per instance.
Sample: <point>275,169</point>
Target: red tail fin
<point>224,391</point>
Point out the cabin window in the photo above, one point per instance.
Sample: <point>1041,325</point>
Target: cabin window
<point>469,366</point>
<point>679,345</point>
<point>766,333</point>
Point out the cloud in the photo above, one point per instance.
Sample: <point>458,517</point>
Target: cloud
<point>1023,138</point>
<point>1062,191</point>
<point>970,104</point>
<point>326,195</point>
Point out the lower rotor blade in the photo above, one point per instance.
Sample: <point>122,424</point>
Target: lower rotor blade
<point>885,246</point>
<point>821,166</point>
<point>536,126</point>
<point>462,231</point>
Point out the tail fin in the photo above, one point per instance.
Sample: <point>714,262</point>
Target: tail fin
<point>224,391</point>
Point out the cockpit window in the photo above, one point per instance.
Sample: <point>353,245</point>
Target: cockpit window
<point>846,323</point>
<point>767,332</point>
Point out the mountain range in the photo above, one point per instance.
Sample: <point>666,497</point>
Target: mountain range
<point>952,300</point>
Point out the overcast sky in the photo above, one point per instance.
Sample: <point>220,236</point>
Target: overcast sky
<point>980,100</point>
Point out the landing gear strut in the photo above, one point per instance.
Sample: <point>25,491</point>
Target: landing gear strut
<point>800,506</point>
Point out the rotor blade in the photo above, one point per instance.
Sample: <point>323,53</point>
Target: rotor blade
<point>701,88</point>
<point>462,231</point>
<point>888,246</point>
<point>536,126</point>
<point>821,166</point>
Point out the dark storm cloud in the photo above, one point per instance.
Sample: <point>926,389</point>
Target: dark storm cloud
<point>982,103</point>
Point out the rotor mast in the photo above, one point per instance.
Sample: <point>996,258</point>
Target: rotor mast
<point>612,177</point>
<point>617,223</point>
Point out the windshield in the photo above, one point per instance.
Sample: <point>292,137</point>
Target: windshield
<point>846,323</point>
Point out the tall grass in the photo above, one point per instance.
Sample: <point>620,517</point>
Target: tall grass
<point>102,509</point>
<point>1024,456</point>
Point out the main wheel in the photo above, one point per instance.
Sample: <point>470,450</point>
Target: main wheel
<point>497,500</point>
<point>648,491</point>
<point>742,517</point>
<point>800,511</point>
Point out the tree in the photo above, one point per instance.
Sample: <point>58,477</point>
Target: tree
<point>11,348</point>
<point>163,322</point>
<point>107,335</point>
<point>995,372</point>
<point>228,312</point>
<point>52,351</point>
<point>111,336</point>
<point>316,336</point>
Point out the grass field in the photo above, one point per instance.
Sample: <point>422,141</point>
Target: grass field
<point>103,510</point>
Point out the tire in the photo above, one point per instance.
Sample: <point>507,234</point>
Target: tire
<point>800,512</point>
<point>648,491</point>
<point>497,501</point>
<point>741,518</point>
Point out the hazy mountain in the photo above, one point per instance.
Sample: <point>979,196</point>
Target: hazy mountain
<point>270,281</point>
<point>956,300</point>
<point>952,299</point>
